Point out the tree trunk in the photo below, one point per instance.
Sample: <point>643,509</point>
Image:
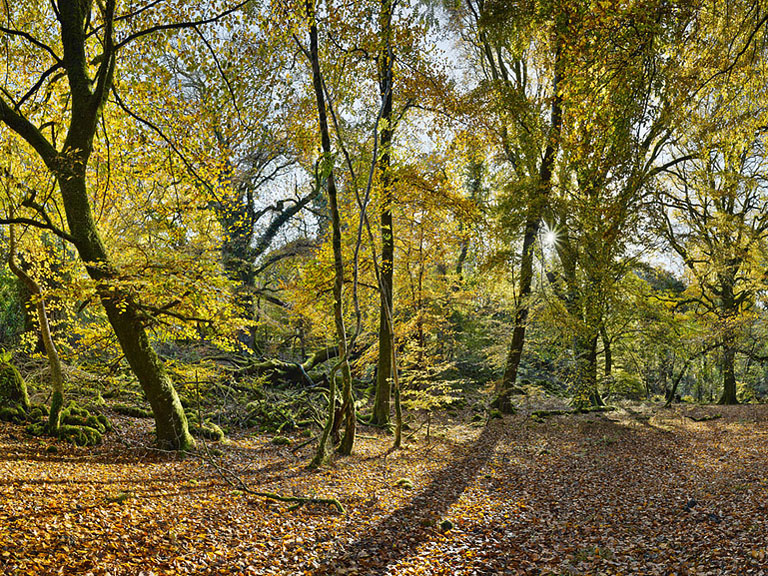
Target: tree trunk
<point>730,311</point>
<point>672,394</point>
<point>57,379</point>
<point>585,351</point>
<point>126,320</point>
<point>281,371</point>
<point>729,375</point>
<point>381,407</point>
<point>348,405</point>
<point>607,355</point>
<point>475,187</point>
<point>536,206</point>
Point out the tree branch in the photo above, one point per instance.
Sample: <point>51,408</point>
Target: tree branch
<point>181,25</point>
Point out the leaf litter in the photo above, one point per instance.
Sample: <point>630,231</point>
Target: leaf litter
<point>593,494</point>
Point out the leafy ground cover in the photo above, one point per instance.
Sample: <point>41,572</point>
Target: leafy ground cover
<point>636,491</point>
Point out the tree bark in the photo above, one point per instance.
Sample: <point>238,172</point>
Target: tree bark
<point>729,375</point>
<point>607,354</point>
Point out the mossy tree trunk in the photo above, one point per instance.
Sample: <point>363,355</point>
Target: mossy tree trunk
<point>381,407</point>
<point>87,96</point>
<point>57,378</point>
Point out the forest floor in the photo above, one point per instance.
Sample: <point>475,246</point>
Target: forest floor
<point>642,490</point>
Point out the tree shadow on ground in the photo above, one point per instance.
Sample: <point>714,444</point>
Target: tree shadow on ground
<point>400,534</point>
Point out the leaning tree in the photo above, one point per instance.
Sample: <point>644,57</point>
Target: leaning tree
<point>54,101</point>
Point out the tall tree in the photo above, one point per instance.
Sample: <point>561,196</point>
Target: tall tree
<point>384,367</point>
<point>711,208</point>
<point>526,103</point>
<point>86,32</point>
<point>348,413</point>
<point>713,212</point>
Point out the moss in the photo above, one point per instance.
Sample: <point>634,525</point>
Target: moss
<point>406,483</point>
<point>74,415</point>
<point>446,525</point>
<point>76,424</point>
<point>281,441</point>
<point>207,430</point>
<point>14,400</point>
<point>38,412</point>
<point>80,435</point>
<point>54,416</point>
<point>105,423</point>
<point>13,413</point>
<point>458,403</point>
<point>272,417</point>
<point>39,428</point>
<point>133,411</point>
<point>36,415</point>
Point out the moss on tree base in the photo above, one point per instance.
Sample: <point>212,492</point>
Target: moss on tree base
<point>78,425</point>
<point>14,400</point>
<point>207,430</point>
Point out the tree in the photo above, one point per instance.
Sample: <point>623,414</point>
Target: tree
<point>527,108</point>
<point>348,414</point>
<point>713,211</point>
<point>57,377</point>
<point>386,309</point>
<point>86,31</point>
<point>711,207</point>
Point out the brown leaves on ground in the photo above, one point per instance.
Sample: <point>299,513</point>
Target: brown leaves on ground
<point>620,493</point>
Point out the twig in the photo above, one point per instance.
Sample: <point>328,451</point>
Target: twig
<point>236,482</point>
<point>298,501</point>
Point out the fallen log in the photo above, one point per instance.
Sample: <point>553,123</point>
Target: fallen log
<point>539,414</point>
<point>704,417</point>
<point>277,371</point>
